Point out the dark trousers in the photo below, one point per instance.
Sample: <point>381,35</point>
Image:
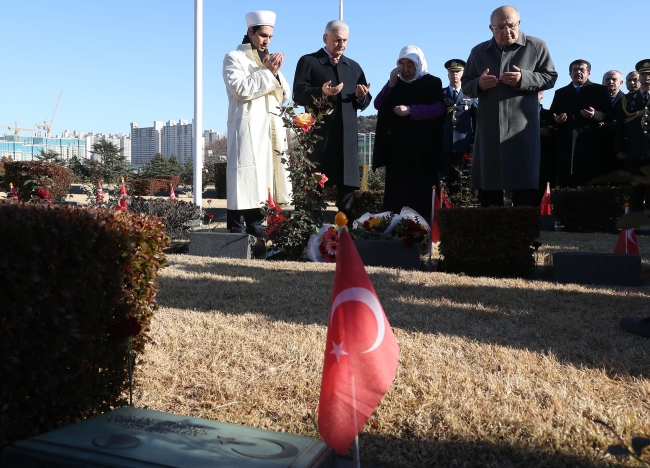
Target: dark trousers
<point>253,218</point>
<point>344,199</point>
<point>522,197</point>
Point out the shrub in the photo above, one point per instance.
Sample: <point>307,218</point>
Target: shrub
<point>19,172</point>
<point>146,187</point>
<point>377,179</point>
<point>171,179</point>
<point>69,286</point>
<point>590,209</point>
<point>494,242</point>
<point>368,201</point>
<point>4,186</point>
<point>220,180</point>
<point>363,176</point>
<point>174,214</point>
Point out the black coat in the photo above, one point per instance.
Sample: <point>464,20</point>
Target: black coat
<point>633,137</point>
<point>577,140</point>
<point>337,154</point>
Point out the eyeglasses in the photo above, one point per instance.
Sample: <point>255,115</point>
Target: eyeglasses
<point>503,27</point>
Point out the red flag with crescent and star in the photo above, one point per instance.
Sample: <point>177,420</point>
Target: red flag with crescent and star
<point>436,205</point>
<point>274,216</point>
<point>122,204</point>
<point>626,243</point>
<point>361,352</point>
<point>545,206</point>
<point>172,195</point>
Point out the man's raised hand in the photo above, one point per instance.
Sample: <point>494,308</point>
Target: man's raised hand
<point>487,81</point>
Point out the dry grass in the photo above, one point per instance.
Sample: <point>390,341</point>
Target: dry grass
<point>492,372</point>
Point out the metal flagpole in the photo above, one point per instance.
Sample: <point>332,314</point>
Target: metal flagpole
<point>197,126</point>
<point>340,10</point>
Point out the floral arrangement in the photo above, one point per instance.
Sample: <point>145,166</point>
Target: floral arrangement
<point>411,230</point>
<point>292,236</point>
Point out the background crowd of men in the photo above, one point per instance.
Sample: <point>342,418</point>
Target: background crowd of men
<point>494,112</point>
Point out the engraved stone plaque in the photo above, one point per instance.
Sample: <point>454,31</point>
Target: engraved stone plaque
<point>136,438</point>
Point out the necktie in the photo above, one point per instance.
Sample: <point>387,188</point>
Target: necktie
<point>455,94</point>
<point>335,60</point>
<point>646,95</point>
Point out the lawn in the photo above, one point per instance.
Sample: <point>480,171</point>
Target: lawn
<point>492,372</point>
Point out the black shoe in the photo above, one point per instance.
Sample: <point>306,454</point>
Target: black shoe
<point>637,325</point>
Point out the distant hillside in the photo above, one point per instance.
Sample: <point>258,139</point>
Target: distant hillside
<point>367,124</point>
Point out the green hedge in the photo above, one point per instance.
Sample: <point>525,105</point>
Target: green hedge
<point>368,201</point>
<point>146,187</point>
<point>493,242</point>
<point>590,209</point>
<point>220,180</point>
<point>175,214</point>
<point>19,172</point>
<point>76,283</point>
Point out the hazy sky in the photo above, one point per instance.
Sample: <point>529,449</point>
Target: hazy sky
<point>120,61</point>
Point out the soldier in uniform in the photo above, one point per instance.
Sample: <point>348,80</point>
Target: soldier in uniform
<point>460,122</point>
<point>633,132</point>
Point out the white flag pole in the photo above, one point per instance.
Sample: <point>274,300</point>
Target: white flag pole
<point>197,126</point>
<point>340,10</point>
<point>433,213</point>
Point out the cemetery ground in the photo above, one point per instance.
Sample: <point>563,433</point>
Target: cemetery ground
<point>492,372</point>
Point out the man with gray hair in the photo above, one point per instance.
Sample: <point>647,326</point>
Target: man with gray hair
<point>505,73</point>
<point>632,81</point>
<point>328,74</point>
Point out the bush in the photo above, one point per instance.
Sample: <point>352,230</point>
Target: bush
<point>4,186</point>
<point>174,214</point>
<point>19,172</point>
<point>171,179</point>
<point>363,176</point>
<point>146,187</point>
<point>377,179</point>
<point>590,209</point>
<point>368,201</point>
<point>495,242</point>
<point>220,180</point>
<point>74,287</point>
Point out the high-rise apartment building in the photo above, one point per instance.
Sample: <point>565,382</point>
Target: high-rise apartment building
<point>178,140</point>
<point>28,148</point>
<point>145,142</point>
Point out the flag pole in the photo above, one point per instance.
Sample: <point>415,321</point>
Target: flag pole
<point>355,453</point>
<point>340,10</point>
<point>197,125</point>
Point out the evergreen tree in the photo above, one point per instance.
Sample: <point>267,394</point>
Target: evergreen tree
<point>112,161</point>
<point>50,156</point>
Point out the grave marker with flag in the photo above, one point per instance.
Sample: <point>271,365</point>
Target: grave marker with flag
<point>122,204</point>
<point>626,243</point>
<point>545,206</point>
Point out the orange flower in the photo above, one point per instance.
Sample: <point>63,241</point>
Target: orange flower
<point>304,121</point>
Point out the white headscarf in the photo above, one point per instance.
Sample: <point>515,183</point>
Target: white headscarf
<point>415,55</point>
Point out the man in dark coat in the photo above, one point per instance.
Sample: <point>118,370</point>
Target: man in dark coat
<point>633,132</point>
<point>329,74</point>
<point>578,110</point>
<point>460,123</point>
<point>505,74</point>
<point>633,144</point>
<point>612,80</point>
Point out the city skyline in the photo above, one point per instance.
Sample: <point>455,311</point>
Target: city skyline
<point>137,66</point>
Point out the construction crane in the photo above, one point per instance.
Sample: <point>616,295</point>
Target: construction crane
<point>45,125</point>
<point>17,129</point>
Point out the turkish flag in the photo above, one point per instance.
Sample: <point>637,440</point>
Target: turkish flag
<point>545,207</point>
<point>361,352</point>
<point>122,204</point>
<point>436,204</point>
<point>626,243</point>
<point>172,195</point>
<point>100,193</point>
<point>274,215</point>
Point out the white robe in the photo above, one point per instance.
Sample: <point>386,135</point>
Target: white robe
<point>254,131</point>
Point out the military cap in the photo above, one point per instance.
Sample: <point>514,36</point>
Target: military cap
<point>455,65</point>
<point>643,66</point>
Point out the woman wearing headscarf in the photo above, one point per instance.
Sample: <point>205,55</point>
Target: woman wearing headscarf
<point>408,138</point>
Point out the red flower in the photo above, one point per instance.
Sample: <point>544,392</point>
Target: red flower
<point>323,179</point>
<point>209,215</point>
<point>467,157</point>
<point>126,328</point>
<point>42,193</point>
<point>329,258</point>
<point>321,249</point>
<point>209,201</point>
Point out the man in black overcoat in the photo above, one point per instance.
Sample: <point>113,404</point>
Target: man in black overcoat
<point>329,74</point>
<point>578,110</point>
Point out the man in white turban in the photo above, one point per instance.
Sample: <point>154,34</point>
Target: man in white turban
<point>255,132</point>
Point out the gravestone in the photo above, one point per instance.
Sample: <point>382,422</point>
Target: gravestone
<point>389,254</point>
<point>597,268</point>
<point>225,244</point>
<point>138,438</point>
